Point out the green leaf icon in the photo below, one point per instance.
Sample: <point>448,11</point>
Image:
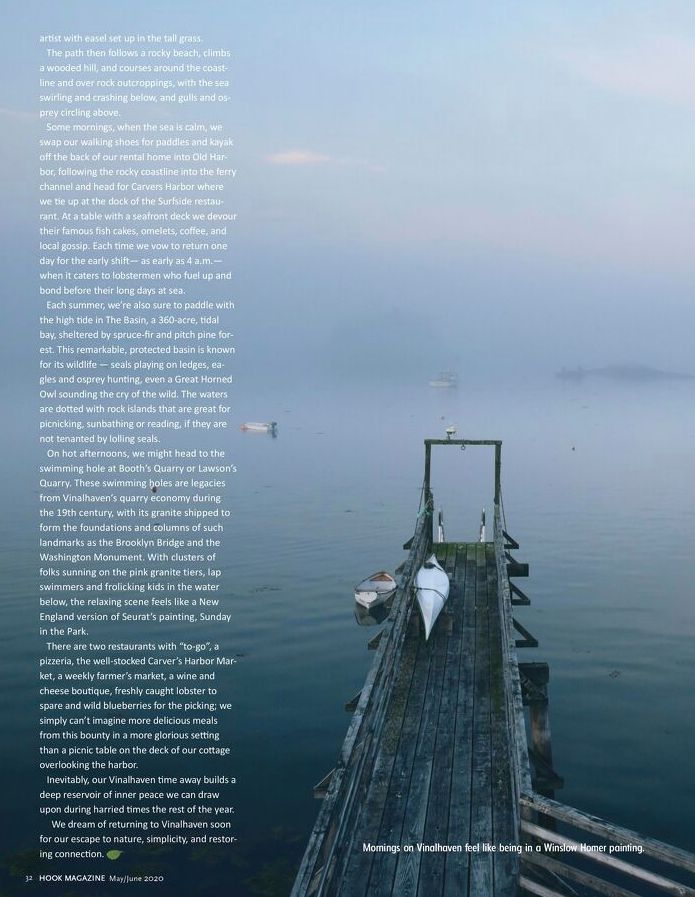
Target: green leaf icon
<point>113,854</point>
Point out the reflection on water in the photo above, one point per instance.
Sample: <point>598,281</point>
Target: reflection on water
<point>372,616</point>
<point>599,492</point>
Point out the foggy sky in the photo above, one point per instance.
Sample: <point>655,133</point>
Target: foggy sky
<point>488,186</point>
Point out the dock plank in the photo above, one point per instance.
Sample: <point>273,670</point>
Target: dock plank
<point>408,863</point>
<point>384,866</point>
<point>432,865</point>
<point>360,863</point>
<point>481,881</point>
<point>432,778</point>
<point>505,864</point>
<point>457,865</point>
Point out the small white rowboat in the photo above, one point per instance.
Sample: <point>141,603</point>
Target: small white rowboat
<point>431,591</point>
<point>254,427</point>
<point>376,589</point>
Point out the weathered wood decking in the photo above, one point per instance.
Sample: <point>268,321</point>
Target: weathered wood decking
<point>442,775</point>
<point>436,763</point>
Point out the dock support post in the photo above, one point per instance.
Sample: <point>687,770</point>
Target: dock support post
<point>534,687</point>
<point>428,465</point>
<point>540,739</point>
<point>498,472</point>
<point>427,493</point>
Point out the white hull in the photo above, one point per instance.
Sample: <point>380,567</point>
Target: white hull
<point>431,591</point>
<point>253,427</point>
<point>370,599</point>
<point>446,380</point>
<point>376,589</point>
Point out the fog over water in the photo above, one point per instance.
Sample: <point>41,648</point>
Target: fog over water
<point>597,488</point>
<point>503,192</point>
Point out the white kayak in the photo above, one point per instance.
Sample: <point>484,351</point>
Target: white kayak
<point>376,589</point>
<point>431,591</point>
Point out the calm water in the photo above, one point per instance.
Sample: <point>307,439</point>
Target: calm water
<point>598,488</point>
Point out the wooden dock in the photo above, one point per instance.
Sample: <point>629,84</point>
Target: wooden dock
<point>443,735</point>
<point>438,791</point>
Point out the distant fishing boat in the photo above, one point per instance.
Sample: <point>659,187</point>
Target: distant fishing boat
<point>431,591</point>
<point>270,427</point>
<point>376,589</point>
<point>637,373</point>
<point>445,380</point>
